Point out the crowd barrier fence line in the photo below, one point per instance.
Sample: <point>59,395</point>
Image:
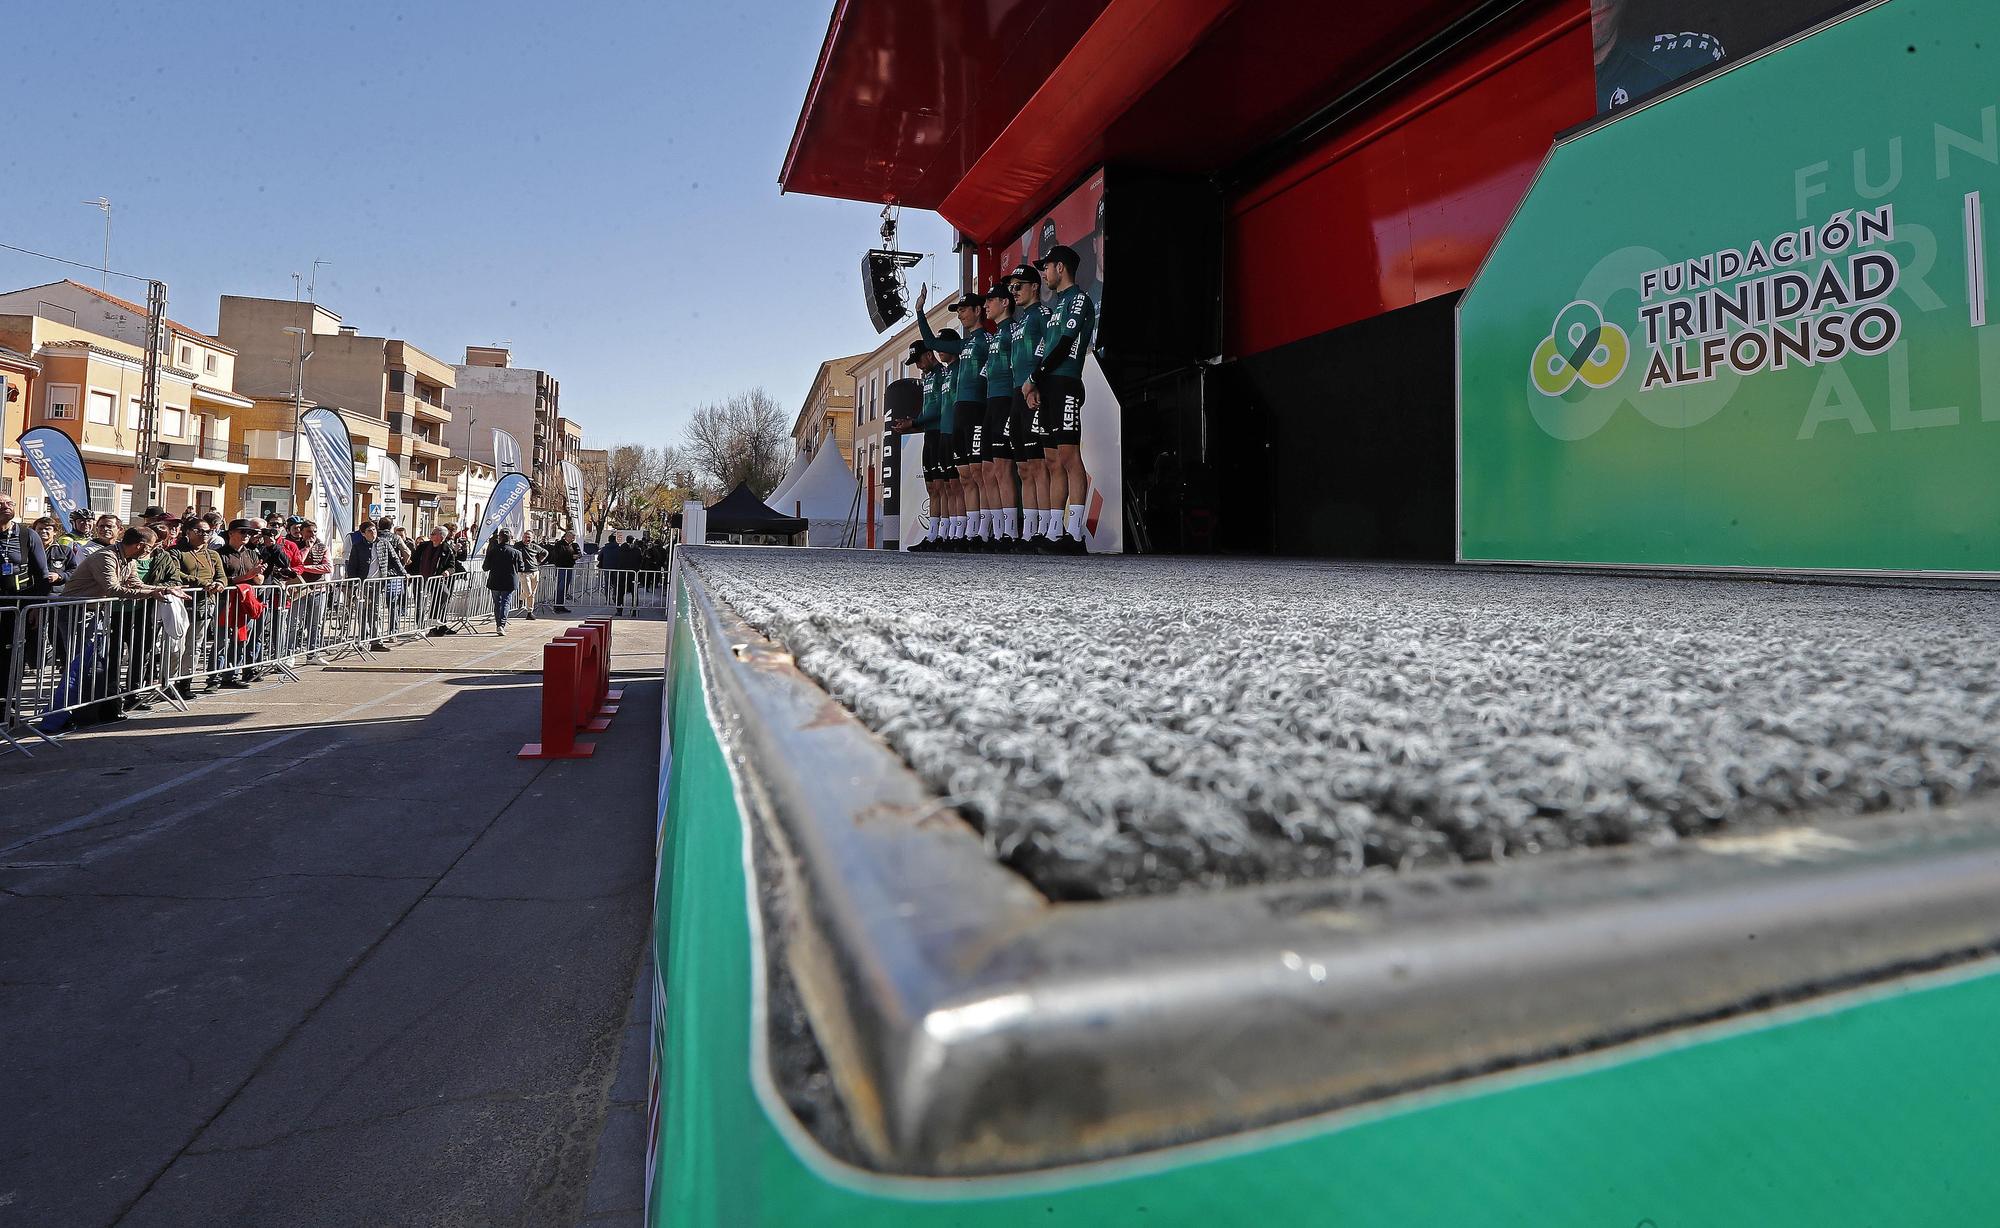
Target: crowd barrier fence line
<point>66,659</point>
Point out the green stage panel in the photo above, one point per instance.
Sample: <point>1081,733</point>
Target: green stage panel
<point>1749,325</point>
<point>1876,1108</point>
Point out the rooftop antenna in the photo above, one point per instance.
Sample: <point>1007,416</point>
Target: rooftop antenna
<point>104,203</point>
<point>313,283</point>
<point>295,287</point>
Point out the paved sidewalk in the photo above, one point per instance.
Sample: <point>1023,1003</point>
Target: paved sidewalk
<point>325,952</point>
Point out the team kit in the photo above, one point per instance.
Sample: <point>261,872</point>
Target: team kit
<point>1002,414</point>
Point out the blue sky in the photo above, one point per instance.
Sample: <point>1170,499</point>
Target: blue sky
<point>595,184</point>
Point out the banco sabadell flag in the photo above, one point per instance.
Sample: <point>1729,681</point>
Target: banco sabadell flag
<point>59,468</point>
<point>507,509</point>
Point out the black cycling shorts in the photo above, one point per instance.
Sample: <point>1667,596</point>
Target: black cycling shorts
<point>1025,434</point>
<point>972,445</point>
<point>999,432</point>
<point>937,457</point>
<point>1061,413</point>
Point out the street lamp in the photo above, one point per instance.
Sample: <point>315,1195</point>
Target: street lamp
<point>298,416</point>
<point>465,476</point>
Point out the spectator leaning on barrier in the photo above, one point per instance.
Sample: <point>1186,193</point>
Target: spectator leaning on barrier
<point>94,650</point>
<point>501,564</point>
<point>389,563</point>
<point>163,567</point>
<point>434,562</point>
<point>25,573</point>
<point>242,569</point>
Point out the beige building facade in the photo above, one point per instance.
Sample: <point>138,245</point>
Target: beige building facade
<point>390,393</point>
<point>90,348</point>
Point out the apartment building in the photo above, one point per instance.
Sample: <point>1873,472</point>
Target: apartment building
<point>89,346</point>
<point>489,392</point>
<point>390,393</point>
<point>826,419</point>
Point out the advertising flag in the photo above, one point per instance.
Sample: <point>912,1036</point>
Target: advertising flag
<point>333,473</point>
<point>506,453</point>
<point>573,491</point>
<point>507,509</point>
<point>59,468</point>
<point>392,490</point>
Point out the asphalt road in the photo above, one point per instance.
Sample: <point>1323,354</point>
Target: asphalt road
<point>326,952</point>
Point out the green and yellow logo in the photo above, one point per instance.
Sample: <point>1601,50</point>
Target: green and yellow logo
<point>1583,345</point>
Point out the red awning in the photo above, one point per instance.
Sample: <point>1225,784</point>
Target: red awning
<point>909,93</point>
<point>985,110</point>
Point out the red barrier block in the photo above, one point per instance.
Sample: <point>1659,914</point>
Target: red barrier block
<point>569,668</point>
<point>610,694</point>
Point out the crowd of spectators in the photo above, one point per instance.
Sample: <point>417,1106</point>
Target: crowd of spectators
<point>215,586</point>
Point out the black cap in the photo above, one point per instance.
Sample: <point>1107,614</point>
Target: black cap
<point>1025,272</point>
<point>999,292</point>
<point>155,512</point>
<point>238,526</point>
<point>947,334</point>
<point>917,350</point>
<point>968,299</point>
<point>1062,254</point>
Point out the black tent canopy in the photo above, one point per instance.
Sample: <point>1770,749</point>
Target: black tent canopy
<point>739,511</point>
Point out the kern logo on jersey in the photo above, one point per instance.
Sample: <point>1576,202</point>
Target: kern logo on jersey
<point>1584,346</point>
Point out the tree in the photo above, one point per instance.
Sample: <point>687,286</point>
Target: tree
<point>743,439</point>
<point>608,486</point>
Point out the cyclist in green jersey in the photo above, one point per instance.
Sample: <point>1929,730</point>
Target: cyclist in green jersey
<point>999,414</point>
<point>1038,499</point>
<point>971,450</point>
<point>1059,381</point>
<point>930,378</point>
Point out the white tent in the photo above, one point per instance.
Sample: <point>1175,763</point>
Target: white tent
<point>824,495</point>
<point>793,472</point>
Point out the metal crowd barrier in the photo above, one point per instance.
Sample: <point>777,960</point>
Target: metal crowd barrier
<point>69,660</point>
<point>591,590</point>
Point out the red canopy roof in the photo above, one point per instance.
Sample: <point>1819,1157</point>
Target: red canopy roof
<point>986,109</point>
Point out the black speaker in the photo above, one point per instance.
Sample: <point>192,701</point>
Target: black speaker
<point>882,282</point>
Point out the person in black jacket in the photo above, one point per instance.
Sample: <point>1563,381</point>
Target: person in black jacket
<point>562,557</point>
<point>502,564</point>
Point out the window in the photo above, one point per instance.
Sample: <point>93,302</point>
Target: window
<point>177,498</point>
<point>187,355</point>
<point>62,401</point>
<point>124,503</point>
<point>132,414</point>
<point>170,421</point>
<point>98,408</point>
<point>399,381</point>
<point>103,496</point>
<point>208,364</point>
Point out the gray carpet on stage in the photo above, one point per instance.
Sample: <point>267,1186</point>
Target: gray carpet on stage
<point>1128,725</point>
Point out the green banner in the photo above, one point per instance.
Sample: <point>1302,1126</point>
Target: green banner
<point>1747,326</point>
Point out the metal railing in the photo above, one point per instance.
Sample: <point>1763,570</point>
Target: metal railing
<point>70,661</point>
<point>591,590</point>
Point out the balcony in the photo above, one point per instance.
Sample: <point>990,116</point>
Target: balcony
<point>207,455</point>
<point>424,486</point>
<point>404,403</point>
<point>416,445</point>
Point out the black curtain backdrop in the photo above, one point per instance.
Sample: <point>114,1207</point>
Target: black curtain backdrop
<point>1358,429</point>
